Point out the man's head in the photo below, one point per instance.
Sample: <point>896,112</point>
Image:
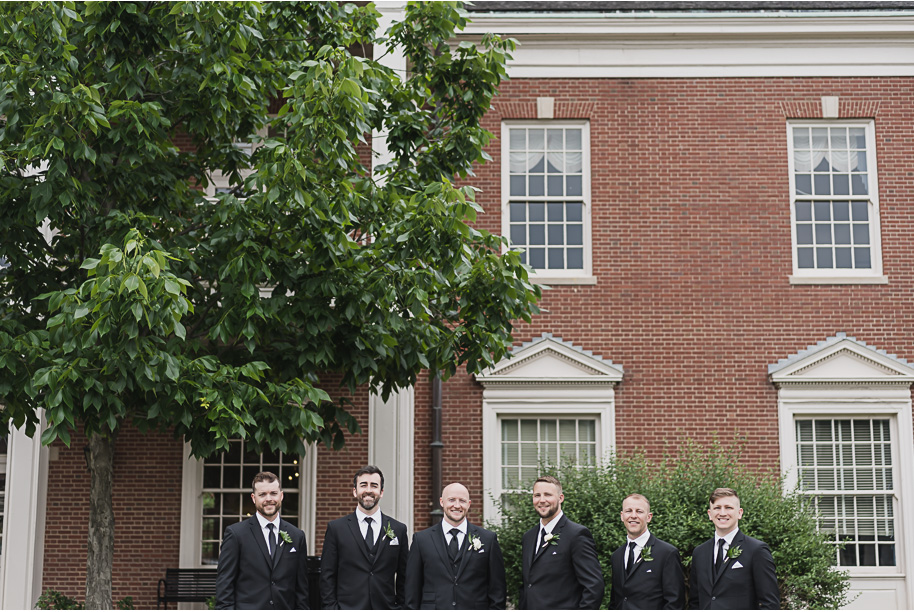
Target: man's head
<point>724,511</point>
<point>267,494</point>
<point>455,501</point>
<point>636,514</point>
<point>368,488</point>
<point>547,497</point>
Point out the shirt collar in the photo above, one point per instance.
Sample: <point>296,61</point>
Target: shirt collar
<point>727,538</point>
<point>641,540</point>
<point>360,514</point>
<point>264,522</point>
<point>447,526</point>
<point>551,524</point>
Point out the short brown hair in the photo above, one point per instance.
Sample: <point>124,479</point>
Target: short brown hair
<point>637,496</point>
<point>368,469</point>
<point>265,477</point>
<point>551,480</point>
<point>722,492</point>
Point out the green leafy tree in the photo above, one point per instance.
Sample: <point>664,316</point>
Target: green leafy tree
<point>678,488</point>
<point>129,298</point>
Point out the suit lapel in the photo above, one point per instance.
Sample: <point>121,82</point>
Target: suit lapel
<point>257,532</point>
<point>441,544</point>
<point>728,561</point>
<point>353,521</point>
<point>556,531</point>
<point>465,549</point>
<point>281,545</point>
<point>380,544</point>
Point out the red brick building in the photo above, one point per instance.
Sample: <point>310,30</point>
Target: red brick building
<point>719,203</point>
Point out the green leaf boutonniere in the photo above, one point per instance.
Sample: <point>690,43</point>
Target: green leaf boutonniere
<point>733,552</point>
<point>646,554</point>
<point>389,532</point>
<point>285,537</point>
<point>551,538</point>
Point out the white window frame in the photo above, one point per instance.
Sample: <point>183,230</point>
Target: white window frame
<point>841,378</point>
<point>835,275</point>
<point>219,181</point>
<point>544,378</point>
<point>583,276</point>
<point>191,544</point>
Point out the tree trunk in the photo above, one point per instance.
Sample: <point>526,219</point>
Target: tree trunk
<point>101,523</point>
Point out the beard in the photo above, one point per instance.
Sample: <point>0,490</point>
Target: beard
<point>368,501</point>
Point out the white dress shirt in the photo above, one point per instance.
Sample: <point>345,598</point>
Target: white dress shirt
<point>266,532</point>
<point>640,542</point>
<point>726,541</point>
<point>375,523</point>
<point>462,527</point>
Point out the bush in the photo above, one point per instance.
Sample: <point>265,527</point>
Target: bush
<point>678,488</point>
<point>55,600</point>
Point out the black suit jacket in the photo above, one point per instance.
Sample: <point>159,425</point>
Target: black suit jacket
<point>658,584</point>
<point>477,583</point>
<point>564,576</point>
<point>350,580</point>
<point>745,582</point>
<point>247,579</point>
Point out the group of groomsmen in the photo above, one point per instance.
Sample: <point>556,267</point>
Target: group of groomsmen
<point>367,562</point>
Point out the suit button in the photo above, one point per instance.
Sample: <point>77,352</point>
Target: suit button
<point>713,598</point>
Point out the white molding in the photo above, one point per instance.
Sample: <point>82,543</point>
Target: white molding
<point>595,45</point>
<point>26,495</point>
<point>391,448</point>
<point>192,504</point>
<point>391,11</point>
<point>882,389</point>
<point>568,381</point>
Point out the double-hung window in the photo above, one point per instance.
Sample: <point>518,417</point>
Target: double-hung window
<point>546,196</point>
<point>834,202</point>
<point>846,464</point>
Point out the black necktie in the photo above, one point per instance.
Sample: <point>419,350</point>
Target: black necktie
<point>369,533</point>
<point>541,541</point>
<point>720,555</point>
<point>452,547</point>
<point>631,556</point>
<point>272,539</point>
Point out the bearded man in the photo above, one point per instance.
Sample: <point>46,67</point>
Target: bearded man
<point>363,562</point>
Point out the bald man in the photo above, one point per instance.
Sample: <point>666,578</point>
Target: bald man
<point>455,565</point>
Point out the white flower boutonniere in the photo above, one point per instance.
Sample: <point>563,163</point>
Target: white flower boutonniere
<point>475,543</point>
<point>285,537</point>
<point>551,538</point>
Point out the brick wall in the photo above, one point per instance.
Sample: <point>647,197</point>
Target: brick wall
<point>147,508</point>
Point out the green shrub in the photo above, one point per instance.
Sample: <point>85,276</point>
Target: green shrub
<point>678,488</point>
<point>55,600</point>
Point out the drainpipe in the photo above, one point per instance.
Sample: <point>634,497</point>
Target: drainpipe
<point>437,449</point>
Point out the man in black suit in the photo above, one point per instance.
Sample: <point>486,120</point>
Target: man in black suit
<point>647,572</point>
<point>731,570</point>
<point>561,570</point>
<point>455,565</point>
<point>263,562</point>
<point>363,563</point>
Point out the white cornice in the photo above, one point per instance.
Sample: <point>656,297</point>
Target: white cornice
<point>703,45</point>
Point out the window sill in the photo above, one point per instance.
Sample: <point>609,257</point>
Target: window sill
<point>564,280</point>
<point>838,280</point>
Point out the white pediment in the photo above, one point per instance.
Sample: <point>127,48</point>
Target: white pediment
<point>841,360</point>
<point>551,360</point>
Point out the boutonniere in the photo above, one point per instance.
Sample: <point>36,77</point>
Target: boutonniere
<point>475,543</point>
<point>733,552</point>
<point>551,538</point>
<point>285,537</point>
<point>646,554</point>
<point>389,532</point>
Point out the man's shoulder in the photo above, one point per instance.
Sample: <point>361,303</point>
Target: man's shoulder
<point>394,524</point>
<point>661,545</point>
<point>482,531</point>
<point>749,542</point>
<point>340,522</point>
<point>238,527</point>
<point>570,527</point>
<point>291,529</point>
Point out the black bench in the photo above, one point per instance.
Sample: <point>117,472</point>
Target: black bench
<point>198,585</point>
<point>186,585</point>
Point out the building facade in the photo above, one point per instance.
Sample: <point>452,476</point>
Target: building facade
<point>717,201</point>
